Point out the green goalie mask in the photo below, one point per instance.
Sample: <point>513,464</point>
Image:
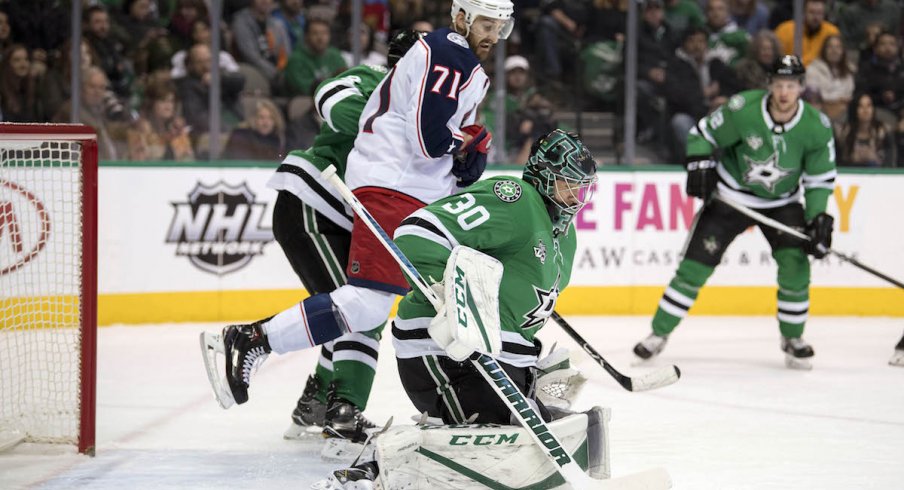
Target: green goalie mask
<point>564,172</point>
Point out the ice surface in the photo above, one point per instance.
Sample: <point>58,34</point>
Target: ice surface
<point>737,419</point>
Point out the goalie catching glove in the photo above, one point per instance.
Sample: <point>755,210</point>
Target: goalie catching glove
<point>468,320</point>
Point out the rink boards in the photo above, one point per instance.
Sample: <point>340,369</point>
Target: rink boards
<point>194,243</point>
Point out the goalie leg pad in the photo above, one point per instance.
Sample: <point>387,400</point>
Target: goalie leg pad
<point>468,321</point>
<point>598,442</point>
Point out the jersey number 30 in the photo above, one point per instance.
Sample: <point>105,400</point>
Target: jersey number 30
<point>469,216</point>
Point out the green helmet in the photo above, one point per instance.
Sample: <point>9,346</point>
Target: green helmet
<point>561,157</point>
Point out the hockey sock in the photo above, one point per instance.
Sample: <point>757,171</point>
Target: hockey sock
<point>680,295</point>
<point>355,364</point>
<point>324,370</point>
<point>312,322</point>
<point>793,290</point>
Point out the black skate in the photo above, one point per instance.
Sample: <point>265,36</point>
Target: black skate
<point>358,477</point>
<point>344,428</point>
<point>307,418</point>
<point>244,347</point>
<point>797,353</point>
<point>897,359</point>
<point>651,346</point>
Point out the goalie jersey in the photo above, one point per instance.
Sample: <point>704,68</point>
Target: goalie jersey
<point>764,163</point>
<point>339,102</point>
<point>503,217</point>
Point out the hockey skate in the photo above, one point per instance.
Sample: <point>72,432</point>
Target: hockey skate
<point>359,477</point>
<point>244,348</point>
<point>650,347</point>
<point>897,359</point>
<point>344,428</point>
<point>797,353</point>
<point>307,418</point>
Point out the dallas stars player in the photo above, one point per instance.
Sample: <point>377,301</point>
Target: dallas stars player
<point>774,149</point>
<point>312,226</point>
<point>525,224</point>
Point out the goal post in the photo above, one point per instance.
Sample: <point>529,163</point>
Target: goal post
<point>48,284</point>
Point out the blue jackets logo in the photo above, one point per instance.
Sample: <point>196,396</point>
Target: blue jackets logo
<point>219,227</point>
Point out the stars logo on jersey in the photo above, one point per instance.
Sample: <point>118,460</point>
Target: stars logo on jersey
<point>540,252</point>
<point>766,173</point>
<point>711,245</point>
<point>507,190</point>
<point>754,142</point>
<point>736,102</point>
<point>546,303</point>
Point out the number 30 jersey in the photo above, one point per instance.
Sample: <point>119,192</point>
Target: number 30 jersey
<point>503,217</point>
<point>411,126</point>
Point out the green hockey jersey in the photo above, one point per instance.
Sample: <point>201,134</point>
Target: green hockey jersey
<point>339,101</point>
<point>764,164</point>
<point>503,217</point>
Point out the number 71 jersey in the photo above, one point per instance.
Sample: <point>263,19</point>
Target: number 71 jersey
<point>411,126</point>
<point>506,218</point>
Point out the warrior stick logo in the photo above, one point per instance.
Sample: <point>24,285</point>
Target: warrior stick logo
<point>219,227</point>
<point>24,226</point>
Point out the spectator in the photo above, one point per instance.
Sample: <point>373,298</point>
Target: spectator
<point>750,15</point>
<point>260,39</point>
<point>6,38</point>
<point>291,14</point>
<point>55,87</point>
<point>422,26</point>
<point>314,60</point>
<point>882,78</point>
<point>855,15</point>
<point>261,137</point>
<point>865,141</point>
<point>110,52</point>
<point>816,30</point>
<point>753,70</point>
<point>560,26</point>
<point>41,25</point>
<point>726,41</point>
<point>100,111</point>
<point>606,21</point>
<point>656,45</point>
<point>865,53</point>
<point>369,55</point>
<point>159,134</point>
<point>183,20</point>
<point>18,87</point>
<point>830,80</point>
<point>201,35</point>
<point>139,25</point>
<point>693,87</point>
<point>194,92</point>
<point>683,14</point>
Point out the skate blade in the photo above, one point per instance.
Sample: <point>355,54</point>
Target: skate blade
<point>211,345</point>
<point>897,359</point>
<point>801,364</point>
<point>297,432</point>
<point>337,450</point>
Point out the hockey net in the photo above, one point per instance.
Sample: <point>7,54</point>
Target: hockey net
<point>48,284</point>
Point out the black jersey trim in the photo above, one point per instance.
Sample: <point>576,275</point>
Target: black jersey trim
<point>314,185</point>
<point>356,346</point>
<point>422,223</point>
<point>333,91</point>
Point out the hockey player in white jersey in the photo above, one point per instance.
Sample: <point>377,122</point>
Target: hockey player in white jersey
<point>418,142</point>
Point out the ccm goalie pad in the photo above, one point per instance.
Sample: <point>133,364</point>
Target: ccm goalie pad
<point>468,321</point>
<point>489,455</point>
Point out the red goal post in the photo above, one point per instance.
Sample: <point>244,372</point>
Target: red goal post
<point>48,284</point>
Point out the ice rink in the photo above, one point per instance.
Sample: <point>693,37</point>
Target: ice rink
<point>737,419</point>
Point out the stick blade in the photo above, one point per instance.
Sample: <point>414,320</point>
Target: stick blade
<point>656,379</point>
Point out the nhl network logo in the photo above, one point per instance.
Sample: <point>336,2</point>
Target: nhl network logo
<point>218,229</point>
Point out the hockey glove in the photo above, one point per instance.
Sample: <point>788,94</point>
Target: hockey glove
<point>470,163</point>
<point>701,178</point>
<point>819,229</point>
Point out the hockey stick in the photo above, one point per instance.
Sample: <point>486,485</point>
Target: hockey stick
<point>498,379</point>
<point>791,231</point>
<point>649,381</point>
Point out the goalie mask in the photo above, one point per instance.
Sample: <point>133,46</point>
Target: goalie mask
<point>564,172</point>
<point>491,9</point>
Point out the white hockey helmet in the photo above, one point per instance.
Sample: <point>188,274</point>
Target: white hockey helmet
<point>491,9</point>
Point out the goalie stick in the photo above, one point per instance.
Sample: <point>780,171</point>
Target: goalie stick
<point>803,236</point>
<point>486,365</point>
<point>650,381</point>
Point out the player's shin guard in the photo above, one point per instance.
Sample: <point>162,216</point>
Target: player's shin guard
<point>793,290</point>
<point>680,295</point>
<point>314,321</point>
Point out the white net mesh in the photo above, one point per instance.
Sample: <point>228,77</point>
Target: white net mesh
<point>40,276</point>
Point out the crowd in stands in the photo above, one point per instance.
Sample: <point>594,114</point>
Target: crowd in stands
<point>145,68</point>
